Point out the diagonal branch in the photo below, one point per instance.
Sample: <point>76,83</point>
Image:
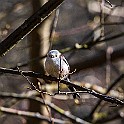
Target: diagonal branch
<point>29,24</point>
<point>108,90</point>
<point>45,77</point>
<point>51,105</point>
<point>98,58</point>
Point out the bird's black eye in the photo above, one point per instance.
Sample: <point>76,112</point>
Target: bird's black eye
<point>55,55</point>
<point>52,56</point>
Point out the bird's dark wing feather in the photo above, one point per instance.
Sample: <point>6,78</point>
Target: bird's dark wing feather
<point>72,89</point>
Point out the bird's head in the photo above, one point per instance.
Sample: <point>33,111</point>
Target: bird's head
<point>54,54</point>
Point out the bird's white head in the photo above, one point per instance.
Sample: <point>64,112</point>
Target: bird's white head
<point>54,54</point>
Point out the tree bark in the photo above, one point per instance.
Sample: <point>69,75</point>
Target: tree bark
<point>39,39</point>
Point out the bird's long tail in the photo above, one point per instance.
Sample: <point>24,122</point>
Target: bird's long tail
<point>72,89</point>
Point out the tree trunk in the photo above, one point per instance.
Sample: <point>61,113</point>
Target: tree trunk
<point>39,40</point>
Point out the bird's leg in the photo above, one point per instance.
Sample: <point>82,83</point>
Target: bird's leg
<point>58,87</point>
<point>59,76</point>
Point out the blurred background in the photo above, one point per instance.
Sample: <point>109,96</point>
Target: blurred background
<point>74,24</point>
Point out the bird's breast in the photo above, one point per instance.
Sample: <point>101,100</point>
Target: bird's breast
<point>52,67</point>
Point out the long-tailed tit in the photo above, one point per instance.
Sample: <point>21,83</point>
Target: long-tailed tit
<point>57,66</point>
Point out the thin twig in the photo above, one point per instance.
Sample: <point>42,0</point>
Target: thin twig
<point>39,91</point>
<point>47,108</point>
<point>80,88</point>
<point>31,96</point>
<point>53,27</point>
<point>30,114</point>
<point>111,116</point>
<point>108,90</point>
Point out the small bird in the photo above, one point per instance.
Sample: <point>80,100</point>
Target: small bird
<point>56,61</point>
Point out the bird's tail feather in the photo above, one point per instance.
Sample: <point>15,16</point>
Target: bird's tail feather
<point>72,89</point>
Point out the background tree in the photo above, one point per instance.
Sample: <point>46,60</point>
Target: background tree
<point>90,35</point>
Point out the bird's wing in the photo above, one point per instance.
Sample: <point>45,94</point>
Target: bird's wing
<point>64,59</point>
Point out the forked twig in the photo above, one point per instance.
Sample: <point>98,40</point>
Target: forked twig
<point>39,91</point>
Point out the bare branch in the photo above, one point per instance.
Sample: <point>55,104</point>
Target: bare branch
<point>108,90</point>
<point>111,117</point>
<point>45,77</point>
<point>51,105</point>
<point>31,23</point>
<point>30,114</point>
<point>98,58</point>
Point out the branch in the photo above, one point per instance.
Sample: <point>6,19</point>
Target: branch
<point>108,90</point>
<point>98,58</point>
<point>85,46</point>
<point>51,105</point>
<point>110,117</point>
<point>31,23</point>
<point>80,88</point>
<point>90,60</point>
<point>30,114</point>
<point>113,23</point>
